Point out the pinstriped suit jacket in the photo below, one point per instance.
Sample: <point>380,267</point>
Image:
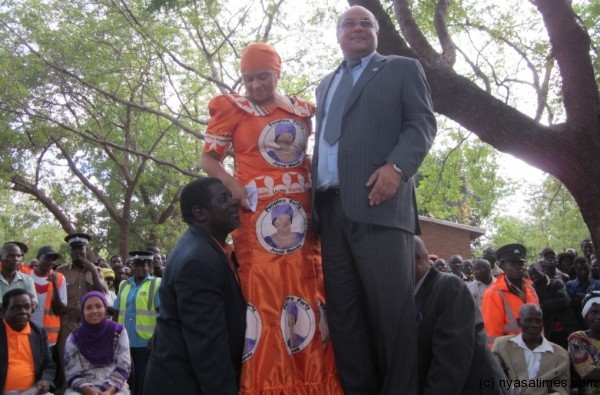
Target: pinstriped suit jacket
<point>388,119</point>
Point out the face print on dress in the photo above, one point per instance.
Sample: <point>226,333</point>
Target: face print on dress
<point>323,326</point>
<point>281,228</point>
<point>282,143</point>
<point>253,332</point>
<point>297,324</point>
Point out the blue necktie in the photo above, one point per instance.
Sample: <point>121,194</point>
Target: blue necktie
<point>333,128</point>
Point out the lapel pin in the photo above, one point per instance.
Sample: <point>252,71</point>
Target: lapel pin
<point>375,68</point>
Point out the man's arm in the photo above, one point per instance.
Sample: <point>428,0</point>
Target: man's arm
<point>416,134</point>
<point>49,365</point>
<point>493,313</point>
<point>560,299</point>
<point>97,284</point>
<point>57,298</point>
<point>30,287</point>
<point>200,288</point>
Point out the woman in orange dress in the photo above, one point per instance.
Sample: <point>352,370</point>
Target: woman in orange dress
<point>287,341</point>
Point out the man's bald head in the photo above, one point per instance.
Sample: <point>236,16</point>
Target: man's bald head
<point>422,264</point>
<point>527,309</point>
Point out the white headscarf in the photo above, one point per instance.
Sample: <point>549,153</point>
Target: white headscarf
<point>592,299</point>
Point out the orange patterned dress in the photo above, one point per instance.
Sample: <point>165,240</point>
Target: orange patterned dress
<point>287,349</point>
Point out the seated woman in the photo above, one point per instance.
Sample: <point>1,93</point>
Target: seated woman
<point>97,360</point>
<point>584,346</point>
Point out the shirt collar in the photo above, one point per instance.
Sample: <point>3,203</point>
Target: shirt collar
<point>545,346</point>
<point>11,332</point>
<point>365,61</point>
<point>420,282</point>
<point>132,278</point>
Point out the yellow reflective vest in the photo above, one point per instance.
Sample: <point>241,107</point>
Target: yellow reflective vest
<point>145,309</point>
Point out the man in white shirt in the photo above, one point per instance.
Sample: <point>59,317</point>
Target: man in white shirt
<point>533,364</point>
<point>11,257</point>
<point>482,279</point>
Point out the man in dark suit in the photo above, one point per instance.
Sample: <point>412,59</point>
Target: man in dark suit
<point>199,339</point>
<point>453,355</point>
<point>365,206</point>
<point>29,365</point>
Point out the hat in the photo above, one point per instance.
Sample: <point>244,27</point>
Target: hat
<point>433,257</point>
<point>490,251</point>
<point>566,253</point>
<point>511,252</point>
<point>108,273</point>
<point>22,246</point>
<point>48,251</point>
<point>547,250</point>
<point>78,239</point>
<point>141,255</point>
<point>260,56</point>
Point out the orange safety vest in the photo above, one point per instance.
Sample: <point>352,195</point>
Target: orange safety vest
<point>500,308</point>
<point>25,269</point>
<point>51,320</point>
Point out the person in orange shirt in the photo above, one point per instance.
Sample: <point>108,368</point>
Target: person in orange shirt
<point>26,363</point>
<point>504,298</point>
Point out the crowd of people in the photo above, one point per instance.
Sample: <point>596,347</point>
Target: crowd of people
<point>559,290</point>
<point>326,290</point>
<point>95,320</point>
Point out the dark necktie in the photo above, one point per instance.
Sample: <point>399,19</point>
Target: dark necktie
<point>333,127</point>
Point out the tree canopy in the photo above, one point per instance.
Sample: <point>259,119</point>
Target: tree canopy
<point>103,104</point>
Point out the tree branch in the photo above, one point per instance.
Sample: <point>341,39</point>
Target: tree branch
<point>439,22</point>
<point>570,48</point>
<point>413,34</point>
<point>112,211</point>
<point>19,184</point>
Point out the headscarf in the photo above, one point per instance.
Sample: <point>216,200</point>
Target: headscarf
<point>96,341</point>
<point>292,309</point>
<point>590,299</point>
<point>260,56</point>
<point>285,128</point>
<point>282,209</point>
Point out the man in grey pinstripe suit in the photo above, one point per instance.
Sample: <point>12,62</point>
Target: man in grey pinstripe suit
<point>365,208</point>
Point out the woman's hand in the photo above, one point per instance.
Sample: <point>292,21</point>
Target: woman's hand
<point>89,390</point>
<point>109,391</point>
<point>239,193</point>
<point>211,164</point>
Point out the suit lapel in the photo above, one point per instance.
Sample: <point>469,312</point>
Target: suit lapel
<point>375,65</point>
<point>517,356</point>
<point>547,366</point>
<point>322,96</point>
<point>3,354</point>
<point>425,291</point>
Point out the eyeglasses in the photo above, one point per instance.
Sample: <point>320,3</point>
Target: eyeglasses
<point>351,23</point>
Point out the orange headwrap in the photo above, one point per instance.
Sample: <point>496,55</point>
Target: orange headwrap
<point>260,56</point>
